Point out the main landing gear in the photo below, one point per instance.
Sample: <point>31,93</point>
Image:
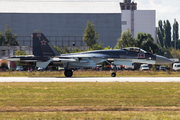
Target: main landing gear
<point>68,73</point>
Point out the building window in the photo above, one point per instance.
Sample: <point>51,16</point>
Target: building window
<point>123,22</point>
<point>3,52</point>
<point>128,7</point>
<point>123,7</point>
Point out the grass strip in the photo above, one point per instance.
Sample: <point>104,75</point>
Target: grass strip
<point>90,73</point>
<point>115,100</point>
<point>90,94</point>
<point>91,115</point>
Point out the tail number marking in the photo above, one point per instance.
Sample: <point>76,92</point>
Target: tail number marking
<point>141,55</point>
<point>38,35</point>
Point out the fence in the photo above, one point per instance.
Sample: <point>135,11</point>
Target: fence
<point>55,40</point>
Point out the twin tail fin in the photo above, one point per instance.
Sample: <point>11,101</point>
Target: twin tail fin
<point>42,46</point>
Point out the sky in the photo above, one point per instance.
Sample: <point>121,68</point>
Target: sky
<point>165,9</point>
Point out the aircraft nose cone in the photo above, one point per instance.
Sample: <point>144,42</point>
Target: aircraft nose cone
<point>162,60</point>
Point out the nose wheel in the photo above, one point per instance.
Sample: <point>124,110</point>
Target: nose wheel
<point>113,74</point>
<point>68,73</point>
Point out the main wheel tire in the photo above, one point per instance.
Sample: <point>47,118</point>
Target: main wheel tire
<point>113,74</point>
<point>68,73</point>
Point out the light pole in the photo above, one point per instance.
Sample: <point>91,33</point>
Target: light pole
<point>175,38</point>
<point>165,54</point>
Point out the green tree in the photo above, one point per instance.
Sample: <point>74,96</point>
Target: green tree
<point>160,33</point>
<point>20,52</point>
<point>10,38</point>
<point>176,35</point>
<point>146,42</point>
<point>178,44</point>
<point>161,50</point>
<point>126,40</point>
<point>59,50</point>
<point>96,47</point>
<point>175,31</point>
<point>141,37</point>
<point>76,50</point>
<point>2,39</point>
<point>62,50</point>
<point>167,33</point>
<point>107,48</point>
<point>90,36</point>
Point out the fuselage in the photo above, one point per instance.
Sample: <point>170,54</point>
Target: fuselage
<point>92,58</point>
<point>123,56</point>
<point>114,54</point>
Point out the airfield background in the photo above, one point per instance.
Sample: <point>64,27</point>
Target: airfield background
<point>64,21</point>
<point>60,18</point>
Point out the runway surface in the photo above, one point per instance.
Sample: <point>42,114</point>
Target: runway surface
<point>93,79</point>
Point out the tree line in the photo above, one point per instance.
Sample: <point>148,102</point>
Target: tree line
<point>164,34</point>
<point>164,45</point>
<point>91,39</point>
<point>142,40</point>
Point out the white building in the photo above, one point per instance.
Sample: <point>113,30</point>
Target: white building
<point>139,21</point>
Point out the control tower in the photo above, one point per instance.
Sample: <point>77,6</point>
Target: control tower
<point>128,5</point>
<point>137,20</point>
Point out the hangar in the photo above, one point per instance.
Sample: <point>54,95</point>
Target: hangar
<point>64,21</point>
<point>61,20</point>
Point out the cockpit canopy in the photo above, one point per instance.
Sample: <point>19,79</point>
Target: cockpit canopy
<point>135,49</point>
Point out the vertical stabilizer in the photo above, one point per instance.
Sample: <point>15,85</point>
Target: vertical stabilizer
<point>41,45</point>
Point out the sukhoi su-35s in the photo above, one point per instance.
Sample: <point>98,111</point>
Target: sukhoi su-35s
<point>45,54</point>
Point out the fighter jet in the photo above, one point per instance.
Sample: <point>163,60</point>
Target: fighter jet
<point>44,54</point>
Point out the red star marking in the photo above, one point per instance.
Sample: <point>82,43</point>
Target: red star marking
<point>43,42</point>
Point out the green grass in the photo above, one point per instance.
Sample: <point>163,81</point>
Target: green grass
<point>91,73</point>
<point>90,94</point>
<point>90,101</point>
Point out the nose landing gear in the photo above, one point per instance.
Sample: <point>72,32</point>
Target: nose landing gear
<point>114,73</point>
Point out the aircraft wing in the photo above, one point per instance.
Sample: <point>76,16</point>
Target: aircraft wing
<point>84,55</point>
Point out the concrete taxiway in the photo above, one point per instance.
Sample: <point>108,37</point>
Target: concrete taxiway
<point>93,79</point>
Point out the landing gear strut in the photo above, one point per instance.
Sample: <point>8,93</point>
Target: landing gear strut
<point>114,73</point>
<point>68,73</point>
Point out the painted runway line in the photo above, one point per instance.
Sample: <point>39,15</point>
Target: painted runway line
<point>93,79</point>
